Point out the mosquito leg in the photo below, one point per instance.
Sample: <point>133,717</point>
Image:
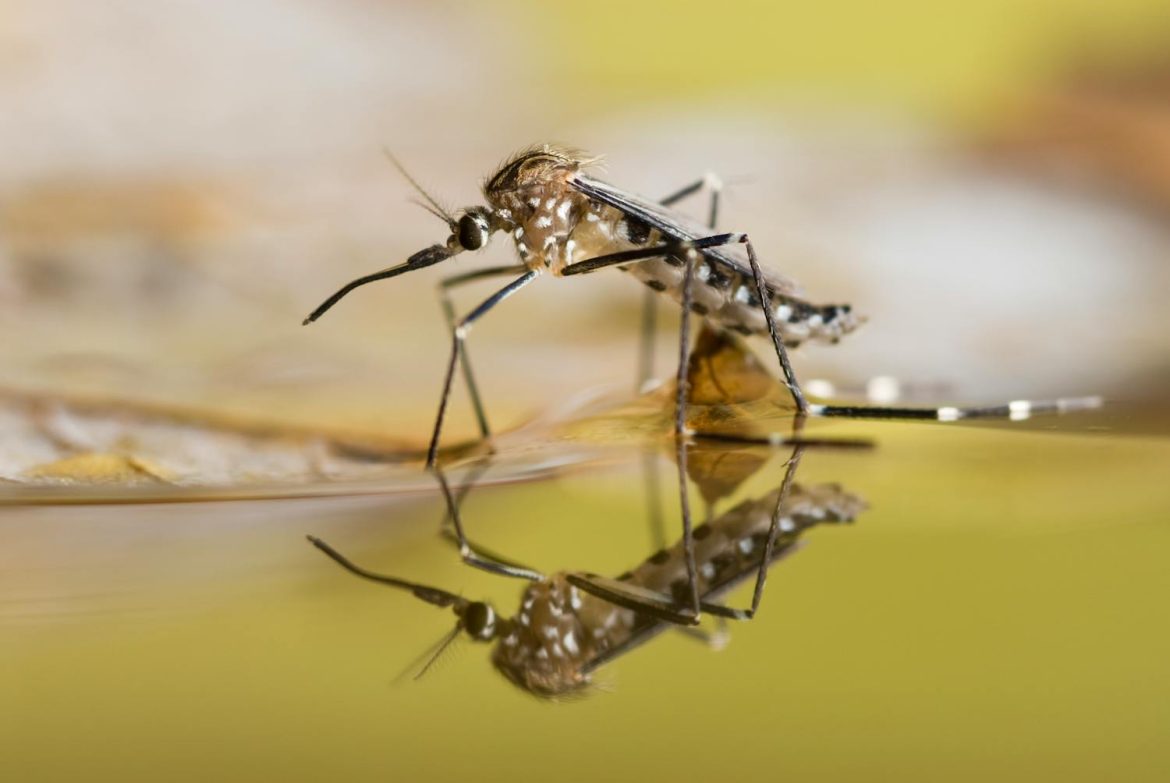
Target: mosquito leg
<point>473,476</point>
<point>459,335</point>
<point>654,604</point>
<point>680,428</point>
<point>715,240</point>
<point>709,181</point>
<point>1017,409</point>
<point>636,599</point>
<point>477,558</point>
<point>774,528</point>
<point>650,297</point>
<point>446,526</point>
<point>684,345</point>
<point>770,543</point>
<point>643,253</point>
<point>484,554</point>
<point>1012,411</point>
<point>781,352</point>
<point>646,341</point>
<point>449,530</point>
<point>445,287</point>
<point>688,526</point>
<point>643,601</point>
<point>653,488</point>
<point>716,639</point>
<point>683,192</point>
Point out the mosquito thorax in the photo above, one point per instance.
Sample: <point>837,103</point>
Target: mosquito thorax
<point>543,647</point>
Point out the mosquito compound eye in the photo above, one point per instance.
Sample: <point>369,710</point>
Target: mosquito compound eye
<point>480,620</point>
<point>472,232</point>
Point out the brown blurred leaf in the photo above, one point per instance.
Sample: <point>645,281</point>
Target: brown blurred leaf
<point>97,468</point>
<point>47,439</point>
<point>1106,124</point>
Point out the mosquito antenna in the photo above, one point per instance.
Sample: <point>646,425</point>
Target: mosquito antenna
<point>423,663</point>
<point>438,210</point>
<point>444,644</point>
<point>440,215</point>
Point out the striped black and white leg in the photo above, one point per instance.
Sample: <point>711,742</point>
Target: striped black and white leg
<point>458,337</point>
<point>769,544</point>
<point>445,287</point>
<point>715,240</point>
<point>680,427</point>
<point>650,297</point>
<point>472,555</point>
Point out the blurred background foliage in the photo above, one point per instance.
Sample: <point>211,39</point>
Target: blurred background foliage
<point>957,62</point>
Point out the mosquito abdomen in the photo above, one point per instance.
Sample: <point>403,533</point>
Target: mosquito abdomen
<point>729,548</point>
<point>723,295</point>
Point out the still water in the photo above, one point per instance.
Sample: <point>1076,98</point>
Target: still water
<point>995,609</point>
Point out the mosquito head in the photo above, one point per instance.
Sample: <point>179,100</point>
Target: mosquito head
<point>479,620</point>
<point>471,230</point>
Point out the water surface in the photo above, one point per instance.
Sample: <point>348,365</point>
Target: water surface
<point>995,613</point>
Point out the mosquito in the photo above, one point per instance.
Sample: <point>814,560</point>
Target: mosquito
<point>564,222</point>
<point>570,624</point>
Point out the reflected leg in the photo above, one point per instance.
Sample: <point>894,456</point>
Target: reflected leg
<point>716,639</point>
<point>665,607</point>
<point>769,545</point>
<point>473,556</point>
<point>680,433</point>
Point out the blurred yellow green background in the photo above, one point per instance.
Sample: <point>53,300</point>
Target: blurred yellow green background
<point>957,61</point>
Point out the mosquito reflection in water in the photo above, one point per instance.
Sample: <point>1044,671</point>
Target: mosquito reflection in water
<point>571,623</point>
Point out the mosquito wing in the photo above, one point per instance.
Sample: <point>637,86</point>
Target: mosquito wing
<point>676,226</point>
